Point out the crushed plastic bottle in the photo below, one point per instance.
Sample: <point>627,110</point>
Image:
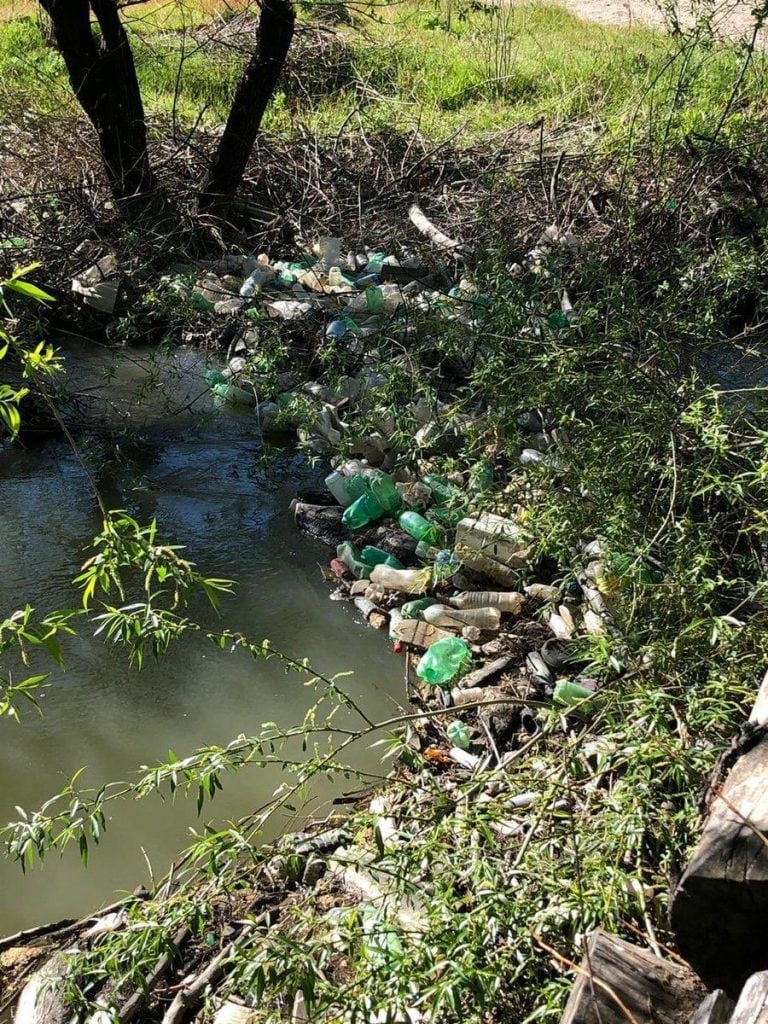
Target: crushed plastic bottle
<point>347,553</point>
<point>420,528</point>
<point>444,660</point>
<point>362,511</point>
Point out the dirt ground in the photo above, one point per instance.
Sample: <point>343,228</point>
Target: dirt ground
<point>732,19</point>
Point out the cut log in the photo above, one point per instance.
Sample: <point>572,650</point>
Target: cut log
<point>752,1007</point>
<point>622,984</point>
<point>716,1009</point>
<point>720,906</point>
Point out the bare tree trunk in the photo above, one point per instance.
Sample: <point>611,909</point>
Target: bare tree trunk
<point>254,91</point>
<point>103,76</point>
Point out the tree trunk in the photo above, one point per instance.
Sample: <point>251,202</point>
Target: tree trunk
<point>103,76</point>
<point>254,91</point>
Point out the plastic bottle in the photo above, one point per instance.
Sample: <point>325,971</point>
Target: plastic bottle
<point>394,619</point>
<point>452,618</point>
<point>420,528</point>
<point>415,609</point>
<point>443,661</point>
<point>362,511</point>
<point>345,489</point>
<point>481,476</point>
<point>443,491</point>
<point>347,553</point>
<point>407,581</point>
<point>459,734</point>
<point>505,600</point>
<point>569,693</point>
<point>384,490</point>
<point>255,281</point>
<point>374,556</point>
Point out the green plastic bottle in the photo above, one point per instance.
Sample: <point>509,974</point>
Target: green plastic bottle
<point>350,556</point>
<point>569,693</point>
<point>415,609</point>
<point>443,661</point>
<point>481,476</point>
<point>364,510</point>
<point>383,488</point>
<point>443,491</point>
<point>420,528</point>
<point>375,556</point>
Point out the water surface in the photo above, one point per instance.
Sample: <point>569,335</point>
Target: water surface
<point>204,476</point>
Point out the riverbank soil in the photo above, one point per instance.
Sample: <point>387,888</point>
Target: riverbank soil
<point>508,271</point>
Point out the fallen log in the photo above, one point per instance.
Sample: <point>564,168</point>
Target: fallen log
<point>620,983</point>
<point>720,905</point>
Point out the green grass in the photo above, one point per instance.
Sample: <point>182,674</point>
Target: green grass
<point>406,66</point>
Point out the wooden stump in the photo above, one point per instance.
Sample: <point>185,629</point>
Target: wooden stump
<point>623,984</point>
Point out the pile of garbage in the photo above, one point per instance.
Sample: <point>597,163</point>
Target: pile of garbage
<point>457,590</point>
<point>324,295</point>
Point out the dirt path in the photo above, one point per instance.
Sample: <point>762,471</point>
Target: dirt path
<point>731,20</point>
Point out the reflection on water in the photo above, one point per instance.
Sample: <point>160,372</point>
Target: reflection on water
<point>204,478</point>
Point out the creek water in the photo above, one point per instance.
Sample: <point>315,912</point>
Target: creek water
<point>204,475</point>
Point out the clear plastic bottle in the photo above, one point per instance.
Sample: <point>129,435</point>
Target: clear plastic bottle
<point>420,528</point>
<point>384,490</point>
<point>505,600</point>
<point>347,553</point>
<point>453,618</point>
<point>345,489</point>
<point>362,511</point>
<point>407,581</point>
<point>256,281</point>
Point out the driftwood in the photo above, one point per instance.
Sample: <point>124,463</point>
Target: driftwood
<point>720,905</point>
<point>137,1001</point>
<point>620,983</point>
<point>437,237</point>
<point>752,1007</point>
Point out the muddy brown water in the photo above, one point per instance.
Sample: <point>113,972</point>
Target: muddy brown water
<point>204,476</point>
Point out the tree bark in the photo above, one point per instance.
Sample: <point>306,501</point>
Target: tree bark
<point>103,77</point>
<point>254,91</point>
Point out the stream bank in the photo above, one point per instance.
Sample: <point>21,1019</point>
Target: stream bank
<point>466,887</point>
